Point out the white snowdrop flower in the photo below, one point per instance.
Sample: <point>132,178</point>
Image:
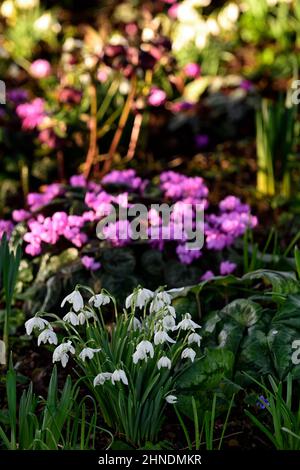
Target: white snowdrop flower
<point>100,379</point>
<point>188,353</point>
<point>161,300</point>
<point>141,297</point>
<point>165,297</point>
<point>142,350</point>
<point>85,315</point>
<point>61,353</point>
<point>36,323</point>
<point>47,336</point>
<point>171,399</point>
<point>72,318</point>
<point>88,353</point>
<point>194,338</point>
<point>75,298</point>
<point>135,324</point>
<point>187,323</point>
<point>119,376</point>
<point>99,300</point>
<point>170,310</point>
<point>139,356</point>
<point>169,322</point>
<point>161,337</point>
<point>164,361</point>
<point>146,346</point>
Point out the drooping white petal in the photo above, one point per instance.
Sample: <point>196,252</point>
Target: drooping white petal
<point>164,361</point>
<point>36,323</point>
<point>75,299</point>
<point>188,353</point>
<point>47,336</point>
<point>100,379</point>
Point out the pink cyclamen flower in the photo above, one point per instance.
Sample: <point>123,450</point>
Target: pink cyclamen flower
<point>32,114</point>
<point>90,263</point>
<point>157,97</point>
<point>78,181</point>
<point>6,226</point>
<point>207,276</point>
<point>40,68</point>
<point>192,70</point>
<point>20,215</point>
<point>226,267</point>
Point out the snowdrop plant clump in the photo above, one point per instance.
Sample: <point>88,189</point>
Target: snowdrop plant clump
<point>131,365</point>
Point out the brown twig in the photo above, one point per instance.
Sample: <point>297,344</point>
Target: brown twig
<point>121,125</point>
<point>134,136</point>
<point>93,147</point>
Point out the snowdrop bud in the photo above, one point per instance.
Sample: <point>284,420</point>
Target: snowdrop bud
<point>88,353</point>
<point>100,379</point>
<point>47,336</point>
<point>119,376</point>
<point>194,338</point>
<point>171,399</point>
<point>71,318</point>
<point>75,299</point>
<point>161,337</point>
<point>36,323</point>
<point>164,361</point>
<point>188,353</point>
<point>99,300</point>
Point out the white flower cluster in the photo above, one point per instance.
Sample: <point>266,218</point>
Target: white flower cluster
<point>151,333</point>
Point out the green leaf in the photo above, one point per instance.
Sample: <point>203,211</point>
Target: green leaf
<point>207,372</point>
<point>243,311</point>
<point>281,282</point>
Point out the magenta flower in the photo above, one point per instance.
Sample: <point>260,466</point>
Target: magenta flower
<point>207,276</point>
<point>6,226</point>
<point>20,215</point>
<point>118,233</point>
<point>37,200</point>
<point>90,263</point>
<point>226,267</point>
<point>157,97</point>
<point>40,68</point>
<point>186,255</point>
<point>78,181</point>
<point>246,85</point>
<point>192,70</point>
<point>31,114</point>
<point>48,138</point>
